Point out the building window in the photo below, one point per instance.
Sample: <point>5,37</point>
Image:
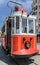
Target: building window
<point>39,1</point>
<point>35,8</point>
<point>35,1</point>
<point>39,25</point>
<point>33,13</point>
<point>39,6</point>
<point>39,19</point>
<point>39,14</point>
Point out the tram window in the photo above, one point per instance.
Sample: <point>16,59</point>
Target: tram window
<point>3,31</point>
<point>13,25</point>
<point>17,25</point>
<point>13,22</point>
<point>24,25</point>
<point>36,30</point>
<point>31,28</point>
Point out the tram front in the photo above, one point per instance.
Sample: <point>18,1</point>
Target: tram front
<point>23,41</point>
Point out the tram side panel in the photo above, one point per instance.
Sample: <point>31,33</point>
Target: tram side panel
<point>4,42</point>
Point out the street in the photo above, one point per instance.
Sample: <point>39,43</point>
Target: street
<point>5,60</point>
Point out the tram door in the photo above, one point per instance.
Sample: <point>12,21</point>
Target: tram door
<point>9,35</point>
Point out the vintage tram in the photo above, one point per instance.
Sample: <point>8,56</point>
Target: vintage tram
<point>19,34</point>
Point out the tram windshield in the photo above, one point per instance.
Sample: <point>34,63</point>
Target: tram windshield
<point>21,24</point>
<point>17,25</point>
<point>31,26</point>
<point>24,25</point>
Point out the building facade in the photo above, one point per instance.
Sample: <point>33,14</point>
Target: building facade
<point>0,33</point>
<point>36,11</point>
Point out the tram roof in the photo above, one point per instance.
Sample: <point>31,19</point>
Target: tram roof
<point>18,13</point>
<point>24,14</point>
<point>32,17</point>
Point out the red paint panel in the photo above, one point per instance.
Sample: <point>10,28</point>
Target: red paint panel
<point>15,43</point>
<point>18,43</point>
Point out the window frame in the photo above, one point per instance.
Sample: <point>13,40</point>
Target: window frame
<point>15,25</point>
<point>12,28</point>
<point>33,25</point>
<point>20,25</point>
<point>26,26</point>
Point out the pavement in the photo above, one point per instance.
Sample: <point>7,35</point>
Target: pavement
<point>5,60</point>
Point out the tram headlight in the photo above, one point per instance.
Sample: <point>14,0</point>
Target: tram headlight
<point>27,45</point>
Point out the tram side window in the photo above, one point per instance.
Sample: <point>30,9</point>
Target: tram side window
<point>13,22</point>
<point>31,28</point>
<point>13,25</point>
<point>24,25</point>
<point>36,27</point>
<point>3,31</point>
<point>17,25</point>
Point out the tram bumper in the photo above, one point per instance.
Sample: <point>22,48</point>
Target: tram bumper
<point>25,53</point>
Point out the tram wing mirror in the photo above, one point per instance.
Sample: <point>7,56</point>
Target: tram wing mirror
<point>28,15</point>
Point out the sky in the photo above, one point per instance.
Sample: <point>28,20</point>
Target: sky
<point>5,11</point>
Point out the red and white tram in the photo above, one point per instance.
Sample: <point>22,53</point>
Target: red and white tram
<point>20,37</point>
